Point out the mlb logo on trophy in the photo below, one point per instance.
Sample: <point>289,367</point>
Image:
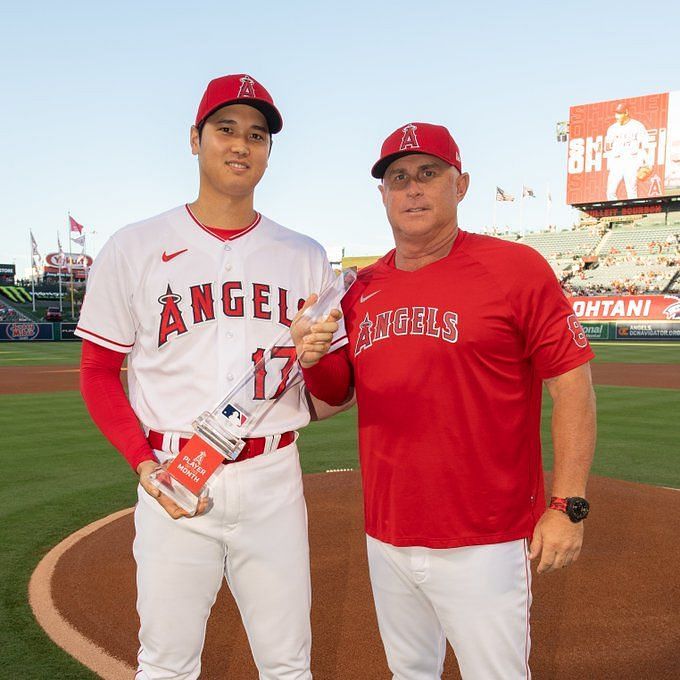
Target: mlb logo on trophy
<point>233,415</point>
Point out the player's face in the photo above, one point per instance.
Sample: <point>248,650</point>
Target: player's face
<point>421,195</point>
<point>233,149</point>
<point>621,118</point>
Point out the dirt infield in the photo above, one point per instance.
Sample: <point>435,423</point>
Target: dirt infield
<point>26,379</point>
<point>614,614</point>
<point>31,379</point>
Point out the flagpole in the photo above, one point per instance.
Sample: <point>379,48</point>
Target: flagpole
<point>61,264</point>
<point>521,212</point>
<point>70,259</point>
<point>32,272</point>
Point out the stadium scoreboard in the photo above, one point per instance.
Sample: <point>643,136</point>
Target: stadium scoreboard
<point>624,155</point>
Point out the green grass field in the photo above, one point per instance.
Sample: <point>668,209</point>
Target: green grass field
<point>39,353</point>
<point>49,353</point>
<point>60,474</point>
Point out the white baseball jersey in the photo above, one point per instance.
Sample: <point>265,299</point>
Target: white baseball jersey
<point>628,141</point>
<point>194,312</point>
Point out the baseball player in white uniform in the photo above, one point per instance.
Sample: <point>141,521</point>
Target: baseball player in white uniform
<point>625,147</point>
<point>193,297</point>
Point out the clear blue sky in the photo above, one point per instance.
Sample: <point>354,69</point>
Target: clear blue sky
<point>97,100</point>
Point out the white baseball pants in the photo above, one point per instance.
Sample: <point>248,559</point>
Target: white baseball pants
<point>255,536</point>
<point>625,170</point>
<point>477,597</point>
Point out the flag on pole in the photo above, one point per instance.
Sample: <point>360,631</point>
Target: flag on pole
<point>75,226</point>
<point>62,258</point>
<point>35,255</point>
<point>34,247</point>
<point>503,195</point>
<point>80,240</point>
<point>527,192</point>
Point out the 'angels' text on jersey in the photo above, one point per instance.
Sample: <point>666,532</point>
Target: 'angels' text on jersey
<point>258,301</point>
<point>429,321</point>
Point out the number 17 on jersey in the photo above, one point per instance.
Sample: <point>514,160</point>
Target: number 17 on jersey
<point>221,433</point>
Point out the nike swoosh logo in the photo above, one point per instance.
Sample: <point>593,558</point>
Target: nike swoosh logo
<point>166,258</point>
<point>363,298</point>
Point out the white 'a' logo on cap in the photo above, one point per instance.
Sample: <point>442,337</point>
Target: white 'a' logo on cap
<point>409,139</point>
<point>247,87</point>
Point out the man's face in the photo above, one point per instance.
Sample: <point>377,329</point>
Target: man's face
<point>621,117</point>
<point>233,149</point>
<point>421,195</point>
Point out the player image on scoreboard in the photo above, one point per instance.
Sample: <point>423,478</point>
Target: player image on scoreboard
<point>672,175</point>
<point>624,149</point>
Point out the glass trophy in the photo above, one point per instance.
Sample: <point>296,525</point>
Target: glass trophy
<point>221,433</point>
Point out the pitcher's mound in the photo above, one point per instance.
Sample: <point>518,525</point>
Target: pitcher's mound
<point>614,614</point>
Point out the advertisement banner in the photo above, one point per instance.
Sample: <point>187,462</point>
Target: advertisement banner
<point>26,331</point>
<point>619,307</point>
<point>67,330</point>
<point>596,331</point>
<point>648,331</point>
<point>624,149</point>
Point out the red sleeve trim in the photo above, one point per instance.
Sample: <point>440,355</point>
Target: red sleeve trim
<point>101,337</point>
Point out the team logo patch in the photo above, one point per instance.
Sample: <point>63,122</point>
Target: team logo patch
<point>673,310</point>
<point>409,139</point>
<point>247,88</point>
<point>233,415</point>
<point>171,316</point>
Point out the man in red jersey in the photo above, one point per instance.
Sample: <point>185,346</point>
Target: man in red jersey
<point>452,336</point>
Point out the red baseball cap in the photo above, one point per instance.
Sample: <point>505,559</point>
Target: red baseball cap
<point>239,89</point>
<point>434,140</point>
<point>621,108</point>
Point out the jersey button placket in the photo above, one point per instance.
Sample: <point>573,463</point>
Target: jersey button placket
<point>231,335</point>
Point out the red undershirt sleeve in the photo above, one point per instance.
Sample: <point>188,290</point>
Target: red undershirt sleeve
<point>330,379</point>
<point>108,404</point>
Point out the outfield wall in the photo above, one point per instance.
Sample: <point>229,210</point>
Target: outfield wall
<point>629,317</point>
<point>632,330</point>
<point>27,331</point>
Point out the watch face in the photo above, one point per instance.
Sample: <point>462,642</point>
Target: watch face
<point>577,509</point>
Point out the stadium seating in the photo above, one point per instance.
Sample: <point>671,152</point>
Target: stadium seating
<point>10,315</point>
<point>643,241</point>
<point>625,277</point>
<point>629,259</point>
<point>563,244</point>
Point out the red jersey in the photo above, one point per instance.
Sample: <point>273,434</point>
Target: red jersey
<point>448,364</point>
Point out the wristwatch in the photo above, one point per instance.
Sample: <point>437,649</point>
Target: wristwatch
<point>575,508</point>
